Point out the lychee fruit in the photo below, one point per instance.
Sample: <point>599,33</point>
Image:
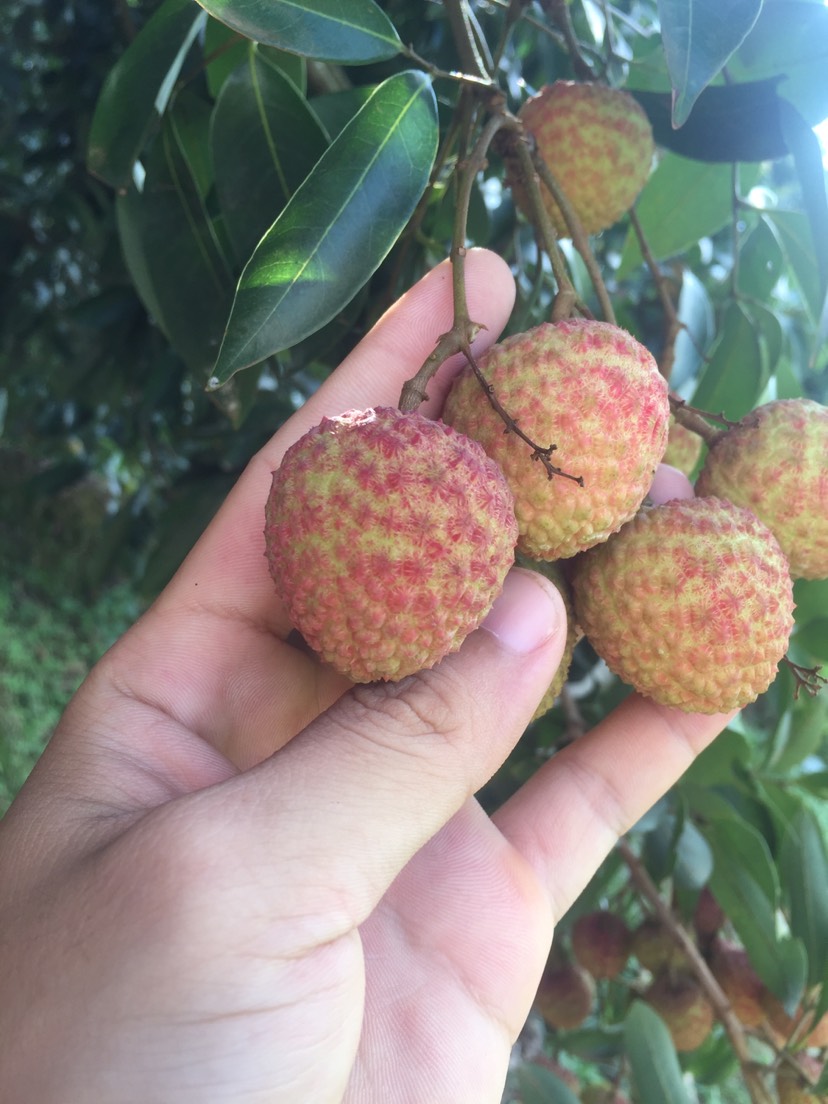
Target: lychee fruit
<point>775,462</point>
<point>739,982</point>
<point>597,142</point>
<point>681,1003</point>
<point>593,391</point>
<point>655,948</point>
<point>601,943</point>
<point>565,996</point>
<point>554,573</point>
<point>388,537</point>
<point>708,916</point>
<point>691,604</point>
<point>683,447</point>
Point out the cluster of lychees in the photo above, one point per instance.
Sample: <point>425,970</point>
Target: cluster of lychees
<point>653,966</point>
<point>389,535</point>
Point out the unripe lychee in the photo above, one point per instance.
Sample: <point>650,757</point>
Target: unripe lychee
<point>691,603</point>
<point>601,943</point>
<point>595,392</point>
<point>565,996</point>
<point>683,447</point>
<point>598,144</point>
<point>388,536</point>
<point>775,462</point>
<point>681,1003</point>
<point>655,948</point>
<point>739,982</point>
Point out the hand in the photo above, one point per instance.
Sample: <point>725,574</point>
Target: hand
<point>231,878</point>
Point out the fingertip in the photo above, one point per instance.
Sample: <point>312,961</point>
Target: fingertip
<point>669,483</point>
<point>528,613</point>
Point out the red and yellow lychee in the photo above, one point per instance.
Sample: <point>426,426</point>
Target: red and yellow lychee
<point>691,603</point>
<point>388,537</point>
<point>682,1004</point>
<point>601,943</point>
<point>593,391</point>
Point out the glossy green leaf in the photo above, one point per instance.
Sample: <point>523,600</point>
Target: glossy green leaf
<point>225,50</point>
<point>264,142</point>
<point>682,202</point>
<point>539,1085</point>
<point>338,227</point>
<point>761,262</point>
<point>173,255</point>
<point>336,109</point>
<point>354,33</point>
<point>789,43</point>
<point>136,91</point>
<point>654,1066</point>
<point>699,36</point>
<point>744,882</point>
<point>734,376</point>
<point>803,867</point>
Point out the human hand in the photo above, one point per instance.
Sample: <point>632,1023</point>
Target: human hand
<point>231,878</point>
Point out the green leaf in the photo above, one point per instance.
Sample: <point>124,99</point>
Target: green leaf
<point>761,262</point>
<point>136,91</point>
<point>337,228</point>
<point>264,142</point>
<point>807,155</point>
<point>789,43</point>
<point>699,36</point>
<point>354,33</point>
<point>682,202</point>
<point>733,379</point>
<point>797,244</point>
<point>803,864</point>
<point>539,1085</point>
<point>656,1073</point>
<point>228,50</point>
<point>173,255</point>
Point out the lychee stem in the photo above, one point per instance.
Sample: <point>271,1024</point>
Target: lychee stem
<point>695,420</point>
<point>759,1093</point>
<point>807,678</point>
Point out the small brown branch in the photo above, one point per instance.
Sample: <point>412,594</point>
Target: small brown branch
<point>673,326</point>
<point>807,678</point>
<point>479,83</point>
<point>558,10</point>
<point>579,237</point>
<point>539,452</point>
<point>759,1092</point>
<point>693,419</point>
<point>464,330</point>
<point>461,21</point>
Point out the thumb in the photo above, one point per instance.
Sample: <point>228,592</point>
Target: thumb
<point>357,793</point>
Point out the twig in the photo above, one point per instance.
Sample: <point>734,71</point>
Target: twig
<point>468,44</point>
<point>579,236</point>
<point>756,1087</point>
<point>807,678</point>
<point>559,12</point>
<point>672,324</point>
<point>694,420</point>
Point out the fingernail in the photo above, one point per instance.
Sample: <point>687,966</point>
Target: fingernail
<point>525,614</point>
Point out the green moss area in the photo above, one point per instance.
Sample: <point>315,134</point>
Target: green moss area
<point>49,639</point>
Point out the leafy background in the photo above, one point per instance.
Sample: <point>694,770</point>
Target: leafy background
<point>203,208</point>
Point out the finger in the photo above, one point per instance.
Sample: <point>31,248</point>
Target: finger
<point>375,777</point>
<point>669,483</point>
<point>226,570</point>
<point>570,814</point>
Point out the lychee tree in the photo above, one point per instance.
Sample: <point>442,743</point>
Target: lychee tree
<point>281,173</point>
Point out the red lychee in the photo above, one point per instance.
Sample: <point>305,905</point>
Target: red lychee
<point>595,392</point>
<point>388,537</point>
<point>691,603</point>
<point>601,943</point>
<point>565,996</point>
<point>681,1003</point>
<point>739,982</point>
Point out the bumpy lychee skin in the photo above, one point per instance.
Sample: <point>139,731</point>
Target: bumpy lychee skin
<point>655,948</point>
<point>775,462</point>
<point>388,536</point>
<point>599,145</point>
<point>683,447</point>
<point>565,996</point>
<point>691,603</point>
<point>595,392</point>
